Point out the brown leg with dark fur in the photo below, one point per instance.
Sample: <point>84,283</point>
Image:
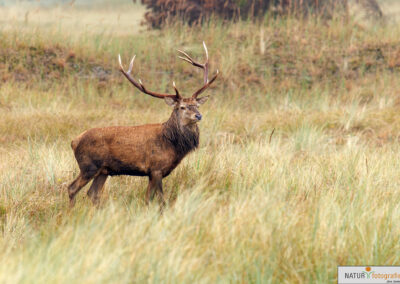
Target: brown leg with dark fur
<point>150,190</point>
<point>96,188</point>
<point>161,199</point>
<point>155,185</point>
<point>75,187</point>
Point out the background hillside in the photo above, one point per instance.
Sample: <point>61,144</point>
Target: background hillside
<point>297,170</point>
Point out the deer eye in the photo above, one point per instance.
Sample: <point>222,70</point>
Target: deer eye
<point>182,107</point>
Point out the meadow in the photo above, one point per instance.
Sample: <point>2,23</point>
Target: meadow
<point>297,172</point>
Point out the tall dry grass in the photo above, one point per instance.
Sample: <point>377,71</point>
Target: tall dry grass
<point>246,206</point>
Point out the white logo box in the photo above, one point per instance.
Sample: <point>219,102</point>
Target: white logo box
<point>368,274</point>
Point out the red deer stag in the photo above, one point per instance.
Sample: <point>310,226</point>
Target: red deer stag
<point>151,150</point>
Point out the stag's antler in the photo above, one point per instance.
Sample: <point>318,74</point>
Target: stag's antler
<point>140,85</point>
<point>204,66</point>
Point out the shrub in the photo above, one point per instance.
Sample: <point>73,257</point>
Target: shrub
<point>195,12</point>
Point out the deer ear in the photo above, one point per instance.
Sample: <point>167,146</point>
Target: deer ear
<point>202,100</point>
<point>170,101</point>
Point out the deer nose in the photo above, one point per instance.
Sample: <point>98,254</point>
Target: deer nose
<point>198,116</point>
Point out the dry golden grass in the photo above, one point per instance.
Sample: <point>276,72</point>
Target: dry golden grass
<point>245,207</point>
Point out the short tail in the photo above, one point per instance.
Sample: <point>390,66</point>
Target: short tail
<point>74,143</point>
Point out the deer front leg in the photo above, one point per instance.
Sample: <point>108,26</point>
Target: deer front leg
<point>151,189</point>
<point>155,185</point>
<point>161,198</point>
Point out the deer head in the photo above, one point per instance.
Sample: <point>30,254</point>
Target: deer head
<point>186,109</point>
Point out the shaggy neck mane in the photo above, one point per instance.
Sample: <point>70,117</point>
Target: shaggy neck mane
<point>183,138</point>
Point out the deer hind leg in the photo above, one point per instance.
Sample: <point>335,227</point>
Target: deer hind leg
<point>96,188</point>
<point>75,187</point>
<point>87,173</point>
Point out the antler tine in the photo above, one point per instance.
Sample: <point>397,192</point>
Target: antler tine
<point>139,85</point>
<point>189,59</point>
<point>205,48</point>
<point>185,54</point>
<point>176,90</point>
<point>202,89</point>
<point>120,62</point>
<point>184,58</point>
<point>131,64</point>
